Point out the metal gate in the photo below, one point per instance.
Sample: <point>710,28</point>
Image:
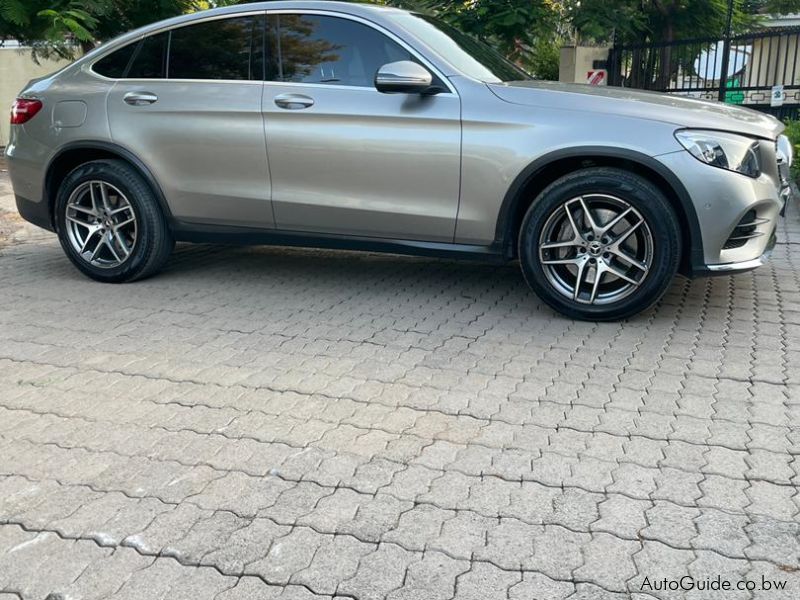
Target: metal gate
<point>759,70</point>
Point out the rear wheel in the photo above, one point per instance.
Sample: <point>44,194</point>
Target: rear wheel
<point>109,223</point>
<point>600,244</point>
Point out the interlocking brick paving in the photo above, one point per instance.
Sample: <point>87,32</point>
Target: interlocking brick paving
<point>276,423</point>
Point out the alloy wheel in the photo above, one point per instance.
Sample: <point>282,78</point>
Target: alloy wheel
<point>596,249</point>
<point>101,224</point>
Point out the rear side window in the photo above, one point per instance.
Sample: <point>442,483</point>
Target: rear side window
<point>150,59</point>
<point>230,49</point>
<point>328,50</point>
<point>115,64</point>
<point>220,49</point>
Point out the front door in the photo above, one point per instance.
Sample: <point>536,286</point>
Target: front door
<point>189,106</point>
<point>344,158</point>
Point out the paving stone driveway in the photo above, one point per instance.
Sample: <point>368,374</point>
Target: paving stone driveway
<point>271,423</point>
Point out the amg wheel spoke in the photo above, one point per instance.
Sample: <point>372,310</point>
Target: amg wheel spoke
<point>629,259</point>
<point>563,261</point>
<point>621,275</point>
<point>588,216</point>
<point>126,222</point>
<point>579,280</point>
<point>627,233</point>
<point>122,245</point>
<point>93,197</point>
<point>576,232</point>
<point>615,221</point>
<point>110,245</point>
<point>556,245</point>
<point>92,232</point>
<point>600,270</point>
<point>104,196</point>
<point>83,209</point>
<point>100,243</point>
<point>79,222</point>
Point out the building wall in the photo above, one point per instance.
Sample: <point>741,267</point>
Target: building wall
<point>774,61</point>
<point>577,61</point>
<point>16,69</point>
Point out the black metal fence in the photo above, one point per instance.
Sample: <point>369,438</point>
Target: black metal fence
<point>745,69</point>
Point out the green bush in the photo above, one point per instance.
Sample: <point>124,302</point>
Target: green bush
<point>544,58</point>
<point>793,133</point>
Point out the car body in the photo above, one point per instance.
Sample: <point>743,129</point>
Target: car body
<point>299,147</point>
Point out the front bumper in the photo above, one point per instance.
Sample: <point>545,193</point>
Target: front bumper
<point>724,201</point>
<point>744,266</point>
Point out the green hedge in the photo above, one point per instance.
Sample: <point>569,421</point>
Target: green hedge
<point>793,131</point>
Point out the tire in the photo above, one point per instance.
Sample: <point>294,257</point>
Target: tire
<point>103,196</point>
<point>557,243</point>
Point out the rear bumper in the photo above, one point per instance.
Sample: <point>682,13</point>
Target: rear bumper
<point>26,167</point>
<point>37,213</point>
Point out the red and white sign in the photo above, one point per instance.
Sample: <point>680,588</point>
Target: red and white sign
<point>597,77</point>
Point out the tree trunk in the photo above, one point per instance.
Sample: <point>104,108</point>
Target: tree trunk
<point>666,69</point>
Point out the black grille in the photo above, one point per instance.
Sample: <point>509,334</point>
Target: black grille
<point>745,231</point>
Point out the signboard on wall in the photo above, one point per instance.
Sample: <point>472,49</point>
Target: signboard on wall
<point>597,77</point>
<point>776,99</point>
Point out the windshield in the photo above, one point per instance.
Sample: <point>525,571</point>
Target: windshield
<point>469,55</point>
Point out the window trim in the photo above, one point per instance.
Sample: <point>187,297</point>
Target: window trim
<point>375,26</point>
<point>266,13</point>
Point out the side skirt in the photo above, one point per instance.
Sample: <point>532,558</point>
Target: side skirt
<point>241,236</point>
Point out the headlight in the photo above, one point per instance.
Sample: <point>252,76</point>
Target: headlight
<point>724,150</point>
<point>785,150</point>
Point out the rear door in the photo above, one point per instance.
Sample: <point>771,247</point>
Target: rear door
<point>189,106</point>
<point>345,158</point>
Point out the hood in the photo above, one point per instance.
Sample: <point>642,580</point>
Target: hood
<point>678,110</point>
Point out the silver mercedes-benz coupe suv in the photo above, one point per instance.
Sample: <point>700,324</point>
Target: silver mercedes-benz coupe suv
<point>352,126</point>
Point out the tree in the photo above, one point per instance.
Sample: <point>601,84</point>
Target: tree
<point>61,27</point>
<point>528,32</point>
<point>667,20</point>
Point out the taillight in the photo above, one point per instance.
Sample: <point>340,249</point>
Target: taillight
<point>24,109</point>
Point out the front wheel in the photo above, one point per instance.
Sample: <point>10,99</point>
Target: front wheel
<point>600,244</point>
<point>109,223</point>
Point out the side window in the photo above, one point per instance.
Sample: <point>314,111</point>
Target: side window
<point>150,59</point>
<point>219,49</point>
<point>115,64</point>
<point>327,50</point>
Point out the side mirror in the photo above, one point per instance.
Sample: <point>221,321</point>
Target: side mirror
<point>403,77</point>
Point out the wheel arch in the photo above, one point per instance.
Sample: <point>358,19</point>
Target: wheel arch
<point>74,154</point>
<point>547,169</point>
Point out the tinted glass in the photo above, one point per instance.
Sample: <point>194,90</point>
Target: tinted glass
<point>319,49</point>
<point>218,49</point>
<point>471,56</point>
<point>150,59</point>
<point>115,64</point>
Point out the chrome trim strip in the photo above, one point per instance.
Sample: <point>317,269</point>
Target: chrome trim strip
<point>741,266</point>
<point>747,265</point>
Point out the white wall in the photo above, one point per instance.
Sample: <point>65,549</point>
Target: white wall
<point>16,69</point>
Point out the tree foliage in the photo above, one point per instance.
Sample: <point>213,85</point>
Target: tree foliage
<point>61,27</point>
<point>529,32</point>
<point>667,20</point>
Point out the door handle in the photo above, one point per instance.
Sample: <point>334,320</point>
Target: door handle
<point>140,98</point>
<point>294,101</point>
